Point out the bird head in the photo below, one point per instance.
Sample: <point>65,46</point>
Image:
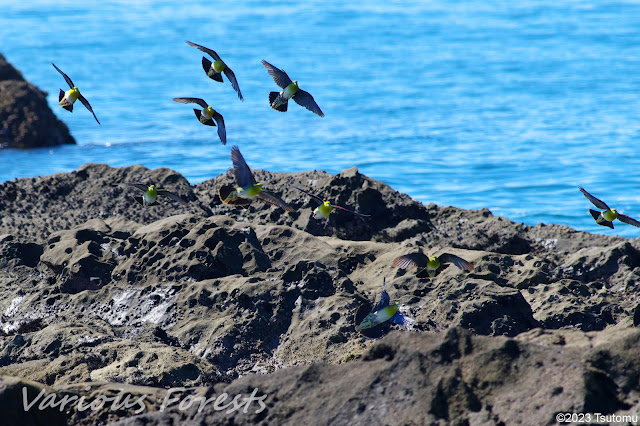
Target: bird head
<point>152,187</point>
<point>327,204</point>
<point>295,82</point>
<point>209,109</point>
<point>613,210</point>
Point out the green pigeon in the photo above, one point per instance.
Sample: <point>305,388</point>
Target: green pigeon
<point>151,193</point>
<point>606,217</point>
<point>247,188</point>
<point>290,90</point>
<point>384,312</point>
<point>207,116</point>
<point>215,69</point>
<point>325,208</point>
<point>431,266</point>
<point>66,99</point>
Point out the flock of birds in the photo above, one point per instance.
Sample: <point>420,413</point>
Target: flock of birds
<point>248,189</point>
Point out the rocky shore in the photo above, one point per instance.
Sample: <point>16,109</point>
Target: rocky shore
<point>101,297</point>
<point>26,121</point>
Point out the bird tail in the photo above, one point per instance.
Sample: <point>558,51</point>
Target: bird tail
<point>206,64</point>
<point>279,106</point>
<point>209,122</point>
<point>600,220</point>
<point>60,97</point>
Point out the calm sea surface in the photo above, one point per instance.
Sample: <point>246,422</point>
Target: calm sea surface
<point>505,105</point>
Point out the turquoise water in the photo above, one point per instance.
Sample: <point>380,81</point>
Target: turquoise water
<point>505,105</point>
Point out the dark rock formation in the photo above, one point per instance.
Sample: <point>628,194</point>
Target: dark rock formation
<point>96,289</point>
<point>26,121</point>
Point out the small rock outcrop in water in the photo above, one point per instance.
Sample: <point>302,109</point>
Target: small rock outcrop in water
<point>26,121</point>
<point>99,295</point>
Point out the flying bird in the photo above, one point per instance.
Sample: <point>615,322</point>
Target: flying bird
<point>606,217</point>
<point>431,266</point>
<point>207,116</point>
<point>151,193</point>
<point>384,312</point>
<point>215,69</point>
<point>247,188</point>
<point>290,90</point>
<point>325,208</point>
<point>66,99</point>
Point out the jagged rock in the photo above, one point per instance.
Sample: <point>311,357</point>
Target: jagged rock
<point>26,121</point>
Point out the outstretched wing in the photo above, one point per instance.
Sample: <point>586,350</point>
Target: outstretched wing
<point>212,53</point>
<point>66,77</point>
<point>280,77</point>
<point>243,174</point>
<point>269,198</point>
<point>232,79</point>
<point>628,220</point>
<point>198,101</point>
<point>384,297</point>
<point>411,260</point>
<point>596,202</point>
<point>85,102</point>
<point>320,200</point>
<point>140,186</point>
<point>351,211</point>
<point>456,260</point>
<point>222,131</point>
<point>171,195</point>
<point>305,99</point>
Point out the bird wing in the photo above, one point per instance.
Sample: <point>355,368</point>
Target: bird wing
<point>384,297</point>
<point>222,131</point>
<point>305,99</point>
<point>243,174</point>
<point>212,53</point>
<point>416,260</point>
<point>85,102</point>
<point>596,202</point>
<point>351,211</point>
<point>320,200</point>
<point>171,195</point>
<point>66,77</point>
<point>140,186</point>
<point>628,220</point>
<point>198,101</point>
<point>456,260</point>
<point>280,77</point>
<point>269,198</point>
<point>400,319</point>
<point>232,79</point>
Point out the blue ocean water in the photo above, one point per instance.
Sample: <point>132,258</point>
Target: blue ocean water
<point>505,105</point>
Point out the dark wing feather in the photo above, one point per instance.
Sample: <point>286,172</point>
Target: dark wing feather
<point>85,102</point>
<point>596,202</point>
<point>66,77</point>
<point>222,131</point>
<point>280,77</point>
<point>310,195</point>
<point>213,54</point>
<point>456,260</point>
<point>305,99</point>
<point>198,101</point>
<point>269,198</point>
<point>416,260</point>
<point>351,211</point>
<point>243,174</point>
<point>628,220</point>
<point>171,195</point>
<point>232,79</point>
<point>384,298</point>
